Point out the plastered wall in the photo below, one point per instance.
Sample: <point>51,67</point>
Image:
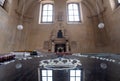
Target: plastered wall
<point>87,36</point>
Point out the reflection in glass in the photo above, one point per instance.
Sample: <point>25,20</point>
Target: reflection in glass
<point>78,72</point>
<point>77,78</point>
<point>49,78</point>
<point>72,78</point>
<point>44,78</point>
<point>72,72</point>
<point>75,75</point>
<point>44,73</point>
<point>49,72</point>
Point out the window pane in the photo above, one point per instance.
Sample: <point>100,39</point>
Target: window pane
<point>44,78</point>
<point>70,12</point>
<point>70,7</point>
<point>72,72</point>
<point>75,75</point>
<point>49,19</point>
<point>44,73</point>
<point>49,72</point>
<point>76,12</point>
<point>76,18</point>
<point>45,7</point>
<point>78,79</point>
<point>78,72</point>
<point>44,19</point>
<point>75,6</point>
<point>71,18</point>
<point>49,78</point>
<point>50,7</point>
<point>50,13</point>
<point>44,12</point>
<point>72,78</point>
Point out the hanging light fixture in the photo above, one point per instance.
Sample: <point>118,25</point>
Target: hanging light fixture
<point>101,24</point>
<point>20,26</point>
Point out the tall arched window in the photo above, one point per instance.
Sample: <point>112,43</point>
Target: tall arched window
<point>2,2</point>
<point>73,12</point>
<point>47,13</point>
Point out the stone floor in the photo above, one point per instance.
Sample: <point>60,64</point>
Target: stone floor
<point>27,69</point>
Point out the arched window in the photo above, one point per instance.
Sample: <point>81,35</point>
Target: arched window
<point>47,13</point>
<point>73,12</point>
<point>2,2</point>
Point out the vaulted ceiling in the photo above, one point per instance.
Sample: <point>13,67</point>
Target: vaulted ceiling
<point>93,6</point>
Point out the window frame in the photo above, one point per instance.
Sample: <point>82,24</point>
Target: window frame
<point>41,17</point>
<point>79,13</point>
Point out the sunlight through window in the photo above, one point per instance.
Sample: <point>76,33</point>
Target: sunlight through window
<point>73,12</point>
<point>47,13</point>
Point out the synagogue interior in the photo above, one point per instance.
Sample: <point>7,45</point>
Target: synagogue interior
<point>59,40</point>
